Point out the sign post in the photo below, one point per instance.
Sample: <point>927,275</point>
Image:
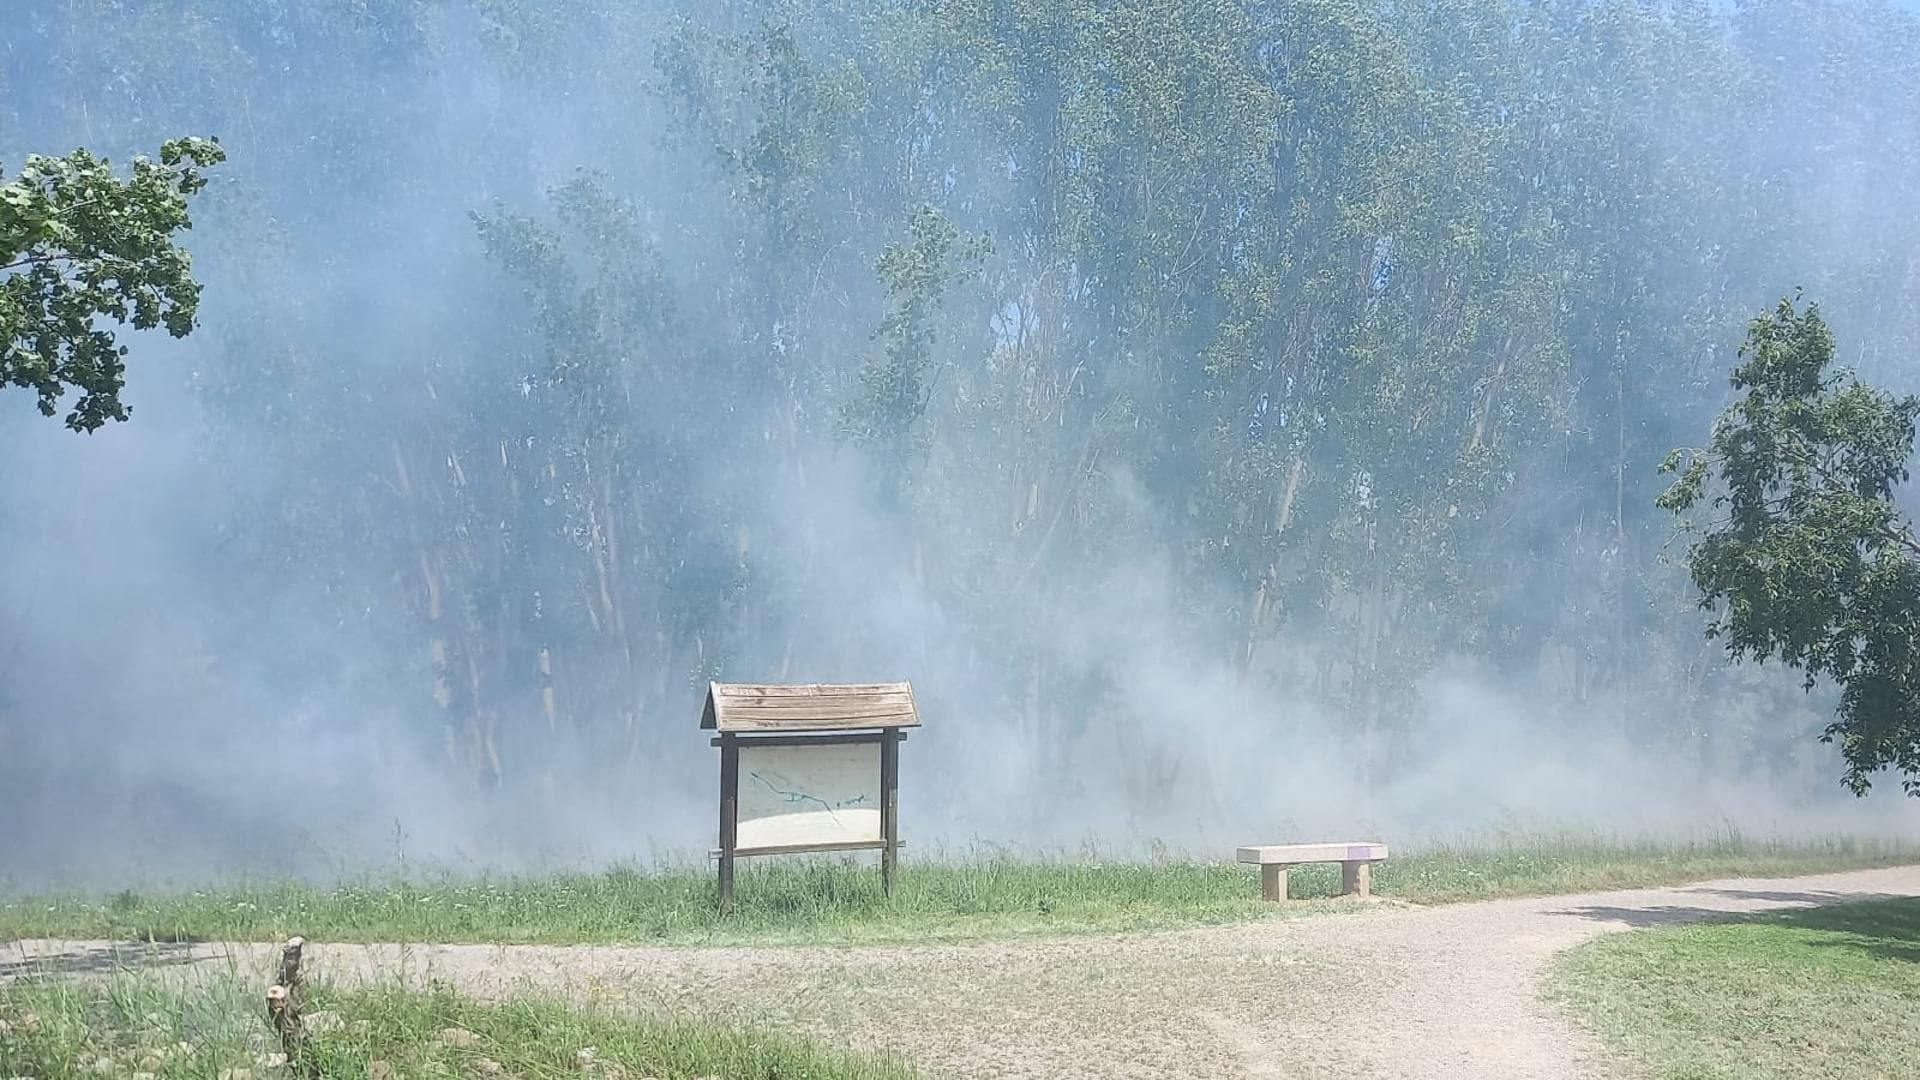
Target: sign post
<point>808,768</point>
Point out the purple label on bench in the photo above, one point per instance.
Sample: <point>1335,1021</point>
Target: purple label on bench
<point>1355,854</point>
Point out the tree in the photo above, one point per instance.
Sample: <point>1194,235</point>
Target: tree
<point>79,245</point>
<point>894,390</point>
<point>1811,562</point>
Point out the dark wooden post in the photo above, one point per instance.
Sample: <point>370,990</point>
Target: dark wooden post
<point>889,806</point>
<point>729,815</point>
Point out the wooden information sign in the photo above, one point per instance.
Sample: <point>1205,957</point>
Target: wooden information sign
<point>808,768</point>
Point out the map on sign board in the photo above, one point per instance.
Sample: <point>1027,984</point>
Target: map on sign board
<point>793,795</point>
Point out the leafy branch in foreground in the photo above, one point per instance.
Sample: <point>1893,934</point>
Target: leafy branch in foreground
<point>1807,559</point>
<point>78,245</point>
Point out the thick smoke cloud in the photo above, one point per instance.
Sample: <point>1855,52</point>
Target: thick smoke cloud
<point>204,670</point>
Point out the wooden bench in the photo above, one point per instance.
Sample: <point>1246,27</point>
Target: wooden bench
<point>1356,859</point>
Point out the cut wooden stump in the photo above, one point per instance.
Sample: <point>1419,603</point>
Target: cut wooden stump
<point>284,1006</point>
<point>290,962</point>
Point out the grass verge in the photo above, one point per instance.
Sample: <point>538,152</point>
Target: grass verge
<point>131,1024</point>
<point>839,902</point>
<point>1794,995</point>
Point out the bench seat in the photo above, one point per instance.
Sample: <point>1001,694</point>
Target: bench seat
<point>1356,859</point>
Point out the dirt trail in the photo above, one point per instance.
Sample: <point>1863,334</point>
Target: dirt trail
<point>1375,990</point>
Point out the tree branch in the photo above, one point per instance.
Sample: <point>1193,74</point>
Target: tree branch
<point>39,260</point>
<point>1899,537</point>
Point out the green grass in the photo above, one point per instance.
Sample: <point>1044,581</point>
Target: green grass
<point>980,896</point>
<point>1820,992</point>
<point>132,1023</point>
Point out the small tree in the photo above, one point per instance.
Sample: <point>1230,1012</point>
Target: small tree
<point>1808,560</point>
<point>79,245</point>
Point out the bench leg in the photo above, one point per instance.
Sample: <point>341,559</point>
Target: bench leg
<point>1356,879</point>
<point>1273,882</point>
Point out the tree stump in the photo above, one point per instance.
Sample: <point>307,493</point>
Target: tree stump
<point>284,1002</point>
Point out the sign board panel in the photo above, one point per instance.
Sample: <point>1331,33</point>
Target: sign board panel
<point>808,767</point>
<point>804,795</point>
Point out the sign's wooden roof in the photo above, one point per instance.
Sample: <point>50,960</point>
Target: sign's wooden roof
<point>810,707</point>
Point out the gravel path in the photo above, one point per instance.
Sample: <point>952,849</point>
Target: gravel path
<point>1345,990</point>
